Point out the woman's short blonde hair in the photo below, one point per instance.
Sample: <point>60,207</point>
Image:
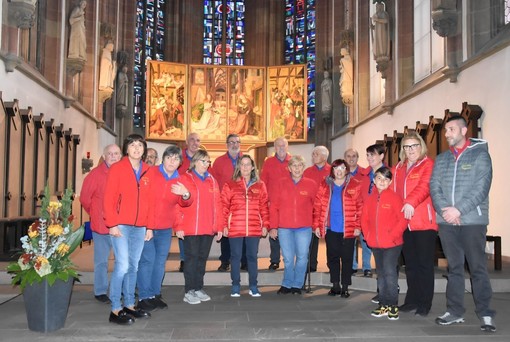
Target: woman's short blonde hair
<point>412,136</point>
<point>297,159</point>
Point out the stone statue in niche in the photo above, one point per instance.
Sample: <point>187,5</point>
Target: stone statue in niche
<point>77,38</point>
<point>327,97</point>
<point>107,67</point>
<point>380,32</point>
<point>121,91</point>
<point>346,79</point>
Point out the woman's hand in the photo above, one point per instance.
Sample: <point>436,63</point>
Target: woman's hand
<point>408,211</point>
<point>180,234</point>
<point>148,234</point>
<point>273,233</point>
<point>225,232</point>
<point>219,235</point>
<point>115,231</point>
<point>179,189</point>
<point>318,233</point>
<point>264,232</point>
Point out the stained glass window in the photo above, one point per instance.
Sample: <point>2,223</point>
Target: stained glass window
<point>300,44</point>
<point>149,45</point>
<point>224,32</point>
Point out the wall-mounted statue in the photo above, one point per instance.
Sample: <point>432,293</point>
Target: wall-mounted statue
<point>346,79</point>
<point>107,67</point>
<point>327,97</point>
<point>380,32</point>
<point>77,38</point>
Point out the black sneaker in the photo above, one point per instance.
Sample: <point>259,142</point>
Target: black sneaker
<point>284,290</point>
<point>121,318</point>
<point>181,266</point>
<point>295,290</point>
<point>158,303</point>
<point>244,267</point>
<point>274,266</point>
<point>375,299</point>
<point>137,313</point>
<point>367,273</point>
<point>407,307</point>
<point>224,268</point>
<point>345,294</point>
<point>103,299</point>
<point>146,305</point>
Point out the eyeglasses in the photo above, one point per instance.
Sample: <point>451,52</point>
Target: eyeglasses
<point>410,147</point>
<point>234,143</point>
<point>208,162</point>
<point>340,167</point>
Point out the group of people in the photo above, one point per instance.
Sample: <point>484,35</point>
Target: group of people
<point>392,209</point>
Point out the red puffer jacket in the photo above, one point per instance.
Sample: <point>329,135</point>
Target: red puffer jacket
<point>204,216</point>
<point>352,206</point>
<point>92,195</point>
<point>382,221</point>
<point>413,187</point>
<point>245,209</point>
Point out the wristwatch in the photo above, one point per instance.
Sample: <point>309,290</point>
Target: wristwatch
<point>186,196</point>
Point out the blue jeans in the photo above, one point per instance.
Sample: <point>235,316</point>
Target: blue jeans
<point>151,268</point>
<point>196,250</point>
<point>236,254</point>
<point>366,254</point>
<point>386,260</point>
<point>127,250</point>
<point>102,248</point>
<point>295,244</point>
<point>466,243</point>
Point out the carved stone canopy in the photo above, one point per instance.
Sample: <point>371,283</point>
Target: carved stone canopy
<point>444,17</point>
<point>22,12</point>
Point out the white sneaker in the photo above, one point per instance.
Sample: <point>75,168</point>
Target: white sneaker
<point>204,297</point>
<point>448,319</point>
<point>191,297</point>
<point>487,324</point>
<point>254,293</point>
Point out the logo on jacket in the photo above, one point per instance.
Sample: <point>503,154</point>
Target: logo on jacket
<point>466,166</point>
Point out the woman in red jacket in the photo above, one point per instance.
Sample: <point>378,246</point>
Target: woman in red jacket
<point>336,215</point>
<point>197,225</point>
<point>246,219</point>
<point>167,193</point>
<point>411,179</point>
<point>383,225</point>
<point>291,221</point>
<point>126,213</point>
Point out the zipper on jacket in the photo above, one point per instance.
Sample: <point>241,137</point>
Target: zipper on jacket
<point>138,195</point>
<point>377,219</point>
<point>246,215</point>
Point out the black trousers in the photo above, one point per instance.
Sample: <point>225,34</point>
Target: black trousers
<point>339,249</point>
<point>419,250</point>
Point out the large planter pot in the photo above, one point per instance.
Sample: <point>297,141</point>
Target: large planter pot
<point>46,306</point>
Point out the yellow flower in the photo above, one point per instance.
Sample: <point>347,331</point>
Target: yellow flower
<point>55,230</point>
<point>32,233</point>
<point>53,206</point>
<point>40,260</point>
<point>62,249</point>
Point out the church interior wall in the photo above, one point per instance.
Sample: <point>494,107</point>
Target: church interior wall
<point>486,84</point>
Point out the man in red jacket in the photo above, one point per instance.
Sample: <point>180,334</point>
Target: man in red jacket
<point>274,169</point>
<point>192,146</point>
<point>222,170</point>
<point>318,171</point>
<point>351,156</point>
<point>91,198</point>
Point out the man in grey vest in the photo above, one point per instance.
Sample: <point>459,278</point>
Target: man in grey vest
<point>459,187</point>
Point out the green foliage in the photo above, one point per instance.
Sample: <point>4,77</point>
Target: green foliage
<point>49,244</point>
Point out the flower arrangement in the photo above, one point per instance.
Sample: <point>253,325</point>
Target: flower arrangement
<point>48,244</point>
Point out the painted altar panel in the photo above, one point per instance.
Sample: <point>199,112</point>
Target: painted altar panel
<point>247,103</point>
<point>287,105</point>
<point>166,101</point>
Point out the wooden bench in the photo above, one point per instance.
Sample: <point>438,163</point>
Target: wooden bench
<point>498,264</point>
